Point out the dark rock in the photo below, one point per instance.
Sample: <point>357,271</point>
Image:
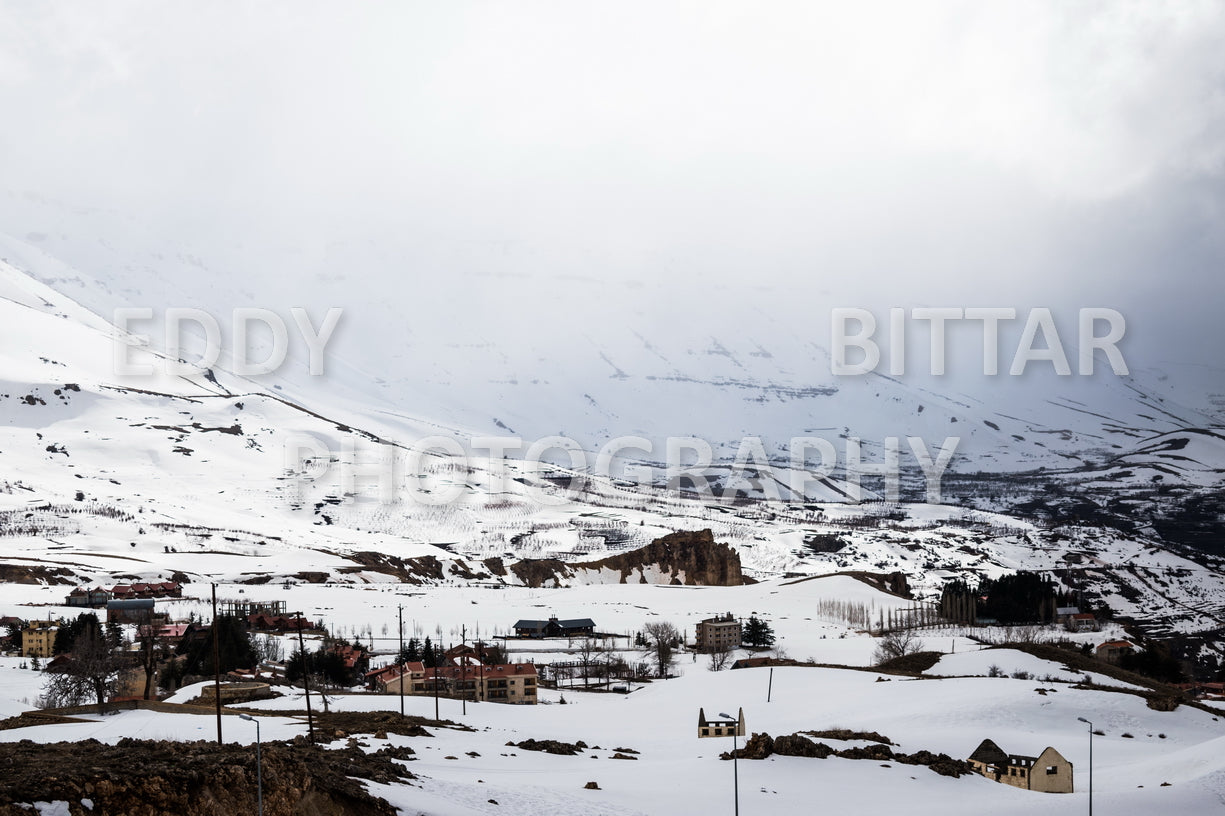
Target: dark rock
<point>796,745</point>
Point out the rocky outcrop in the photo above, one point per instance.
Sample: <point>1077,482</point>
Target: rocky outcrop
<point>541,572</point>
<point>763,746</point>
<point>797,745</point>
<point>689,558</point>
<point>551,746</point>
<point>155,778</point>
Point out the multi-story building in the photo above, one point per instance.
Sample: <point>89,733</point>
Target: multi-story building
<point>38,639</point>
<point>506,683</point>
<point>717,634</point>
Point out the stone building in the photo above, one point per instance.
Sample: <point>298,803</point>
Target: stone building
<point>717,634</point>
<point>1048,772</point>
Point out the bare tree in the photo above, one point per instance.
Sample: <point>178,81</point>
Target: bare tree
<point>662,639</point>
<point>897,643</point>
<point>93,670</point>
<point>152,649</point>
<point>268,648</point>
<point>719,657</point>
<point>588,655</point>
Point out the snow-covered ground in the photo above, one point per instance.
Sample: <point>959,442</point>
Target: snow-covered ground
<point>676,772</point>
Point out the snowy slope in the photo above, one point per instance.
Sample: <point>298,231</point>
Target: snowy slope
<point>756,367</point>
<point>111,476</point>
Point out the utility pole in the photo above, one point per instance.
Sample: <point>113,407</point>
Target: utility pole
<point>216,665</point>
<point>463,670</point>
<point>400,658</point>
<point>306,686</point>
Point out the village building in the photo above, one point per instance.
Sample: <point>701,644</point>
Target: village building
<point>263,622</point>
<point>1112,651</point>
<point>38,639</point>
<point>513,683</point>
<point>389,679</point>
<point>717,634</point>
<point>575,627</point>
<point>171,633</point>
<point>1062,613</point>
<point>136,610</point>
<point>1081,622</point>
<point>1049,772</point>
<point>551,628</point>
<point>84,596</point>
<point>127,592</point>
<point>354,657</point>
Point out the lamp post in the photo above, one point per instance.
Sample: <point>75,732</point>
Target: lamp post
<point>1082,719</point>
<point>259,764</point>
<point>735,761</point>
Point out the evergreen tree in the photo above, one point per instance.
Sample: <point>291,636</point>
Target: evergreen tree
<point>429,654</point>
<point>323,664</point>
<point>757,633</point>
<point>233,644</point>
<point>66,637</point>
<point>114,634</point>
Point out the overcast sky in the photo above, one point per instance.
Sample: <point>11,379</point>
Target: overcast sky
<point>791,156</point>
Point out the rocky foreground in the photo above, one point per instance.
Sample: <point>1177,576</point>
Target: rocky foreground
<point>157,778</point>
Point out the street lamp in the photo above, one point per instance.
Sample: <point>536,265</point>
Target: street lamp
<point>1082,719</point>
<point>259,764</point>
<point>735,767</point>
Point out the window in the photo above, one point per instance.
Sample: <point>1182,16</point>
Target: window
<point>1051,770</point>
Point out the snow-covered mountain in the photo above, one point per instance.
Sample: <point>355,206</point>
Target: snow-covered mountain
<point>461,340</point>
<point>208,475</point>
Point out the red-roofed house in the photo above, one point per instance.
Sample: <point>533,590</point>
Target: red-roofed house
<point>351,655</point>
<point>1081,622</point>
<point>1113,650</point>
<point>388,678</point>
<point>507,683</point>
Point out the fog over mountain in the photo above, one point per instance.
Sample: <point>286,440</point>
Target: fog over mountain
<point>545,218</point>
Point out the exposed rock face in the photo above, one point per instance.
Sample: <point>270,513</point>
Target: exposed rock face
<point>539,572</point>
<point>152,778</point>
<point>689,558</point>
<point>424,569</point>
<point>21,574</point>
